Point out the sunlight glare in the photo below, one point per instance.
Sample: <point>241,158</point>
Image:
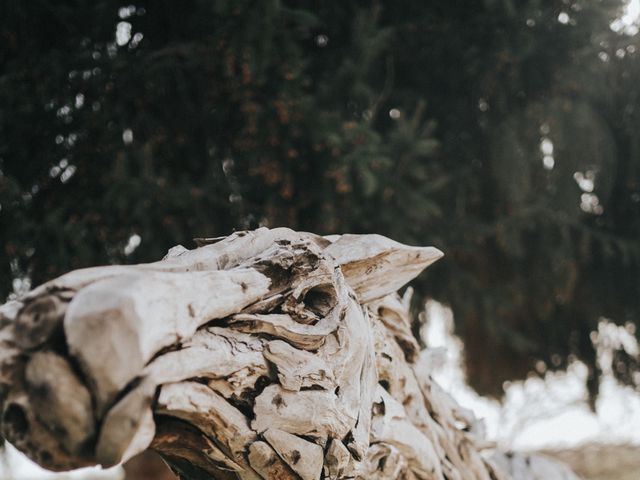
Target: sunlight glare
<point>132,244</point>
<point>629,22</point>
<point>123,33</point>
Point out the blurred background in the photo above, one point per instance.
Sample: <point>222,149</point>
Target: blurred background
<point>504,132</point>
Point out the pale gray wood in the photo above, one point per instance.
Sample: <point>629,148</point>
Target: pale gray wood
<point>269,354</point>
<point>303,457</point>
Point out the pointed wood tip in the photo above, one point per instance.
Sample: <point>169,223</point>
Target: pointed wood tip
<point>375,266</point>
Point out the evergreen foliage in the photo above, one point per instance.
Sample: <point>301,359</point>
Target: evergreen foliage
<point>503,132</point>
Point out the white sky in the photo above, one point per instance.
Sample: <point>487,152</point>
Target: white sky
<point>539,413</point>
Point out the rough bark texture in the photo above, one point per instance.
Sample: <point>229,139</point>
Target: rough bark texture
<point>269,354</point>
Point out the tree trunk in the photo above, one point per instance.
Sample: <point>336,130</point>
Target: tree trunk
<point>269,354</point>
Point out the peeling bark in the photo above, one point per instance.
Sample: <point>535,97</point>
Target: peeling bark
<point>269,354</point>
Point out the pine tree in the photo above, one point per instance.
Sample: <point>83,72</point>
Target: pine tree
<point>502,132</point>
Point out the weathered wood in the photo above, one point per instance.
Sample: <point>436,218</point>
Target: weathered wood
<point>338,462</point>
<point>376,266</point>
<point>302,456</point>
<point>391,426</point>
<point>63,403</point>
<point>127,428</point>
<point>297,368</point>
<point>269,354</point>
<point>266,462</point>
<point>210,413</point>
<point>290,411</point>
<point>39,319</point>
<point>125,320</point>
<point>191,452</point>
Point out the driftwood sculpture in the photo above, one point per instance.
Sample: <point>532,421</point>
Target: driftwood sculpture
<point>269,354</point>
